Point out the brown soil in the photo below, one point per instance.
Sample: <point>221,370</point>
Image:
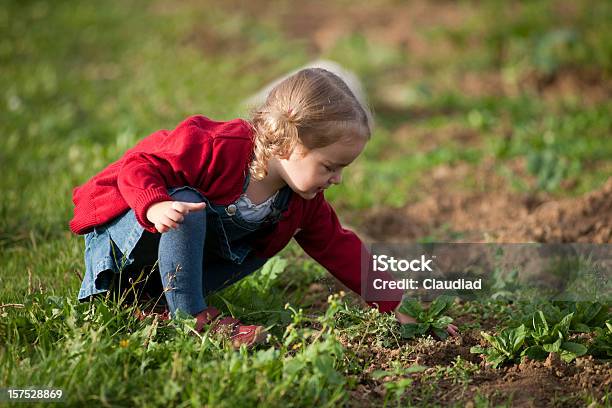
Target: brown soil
<point>587,85</point>
<point>212,43</point>
<point>528,384</point>
<point>409,136</point>
<point>548,383</point>
<point>316,296</point>
<point>498,217</point>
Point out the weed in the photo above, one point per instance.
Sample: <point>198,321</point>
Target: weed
<point>398,387</point>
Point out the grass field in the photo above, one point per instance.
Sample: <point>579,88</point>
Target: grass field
<point>474,100</point>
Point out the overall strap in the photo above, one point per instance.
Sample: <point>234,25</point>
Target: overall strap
<point>280,203</point>
<point>246,181</point>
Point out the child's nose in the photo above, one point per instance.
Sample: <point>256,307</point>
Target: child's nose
<point>336,178</point>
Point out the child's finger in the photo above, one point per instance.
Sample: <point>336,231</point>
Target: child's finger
<point>185,208</point>
<point>175,215</point>
<point>161,228</point>
<point>169,223</point>
<point>195,206</point>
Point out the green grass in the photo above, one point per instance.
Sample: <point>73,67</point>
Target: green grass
<point>82,82</point>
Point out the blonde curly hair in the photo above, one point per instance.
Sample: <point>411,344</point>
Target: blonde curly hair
<point>314,108</point>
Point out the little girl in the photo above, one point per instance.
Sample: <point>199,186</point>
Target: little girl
<point>210,202</point>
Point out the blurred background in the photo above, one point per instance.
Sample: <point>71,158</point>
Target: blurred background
<point>493,117</point>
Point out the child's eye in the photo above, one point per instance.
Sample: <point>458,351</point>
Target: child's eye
<point>328,168</point>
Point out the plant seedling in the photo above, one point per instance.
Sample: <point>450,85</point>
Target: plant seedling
<point>587,315</point>
<point>505,347</point>
<point>398,387</point>
<point>553,339</point>
<point>432,318</point>
<point>602,344</point>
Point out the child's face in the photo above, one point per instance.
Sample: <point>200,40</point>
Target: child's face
<point>309,172</point>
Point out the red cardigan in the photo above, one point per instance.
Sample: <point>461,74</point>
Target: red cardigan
<point>214,158</point>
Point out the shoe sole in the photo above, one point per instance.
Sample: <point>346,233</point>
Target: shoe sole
<point>259,338</point>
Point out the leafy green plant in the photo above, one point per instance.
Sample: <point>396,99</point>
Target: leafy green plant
<point>269,273</point>
<point>505,346</point>
<point>586,315</point>
<point>602,344</point>
<point>547,339</point>
<point>432,318</point>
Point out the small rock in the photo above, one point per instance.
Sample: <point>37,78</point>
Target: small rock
<point>553,361</point>
<point>524,363</point>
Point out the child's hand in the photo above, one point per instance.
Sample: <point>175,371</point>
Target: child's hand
<point>404,319</point>
<point>168,215</point>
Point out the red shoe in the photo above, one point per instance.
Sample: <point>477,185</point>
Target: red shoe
<point>238,333</point>
<point>146,308</point>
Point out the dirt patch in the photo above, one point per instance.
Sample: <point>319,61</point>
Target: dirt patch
<point>213,43</point>
<point>584,219</point>
<point>445,352</point>
<point>485,321</point>
<point>315,298</point>
<point>586,86</point>
<point>545,383</point>
<point>530,383</point>
<point>589,86</point>
<point>495,216</point>
<point>426,352</point>
<point>408,136</point>
<point>478,84</point>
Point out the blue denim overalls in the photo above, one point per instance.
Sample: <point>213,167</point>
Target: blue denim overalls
<point>109,248</point>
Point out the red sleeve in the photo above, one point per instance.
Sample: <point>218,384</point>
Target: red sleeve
<point>341,252</point>
<point>163,160</point>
